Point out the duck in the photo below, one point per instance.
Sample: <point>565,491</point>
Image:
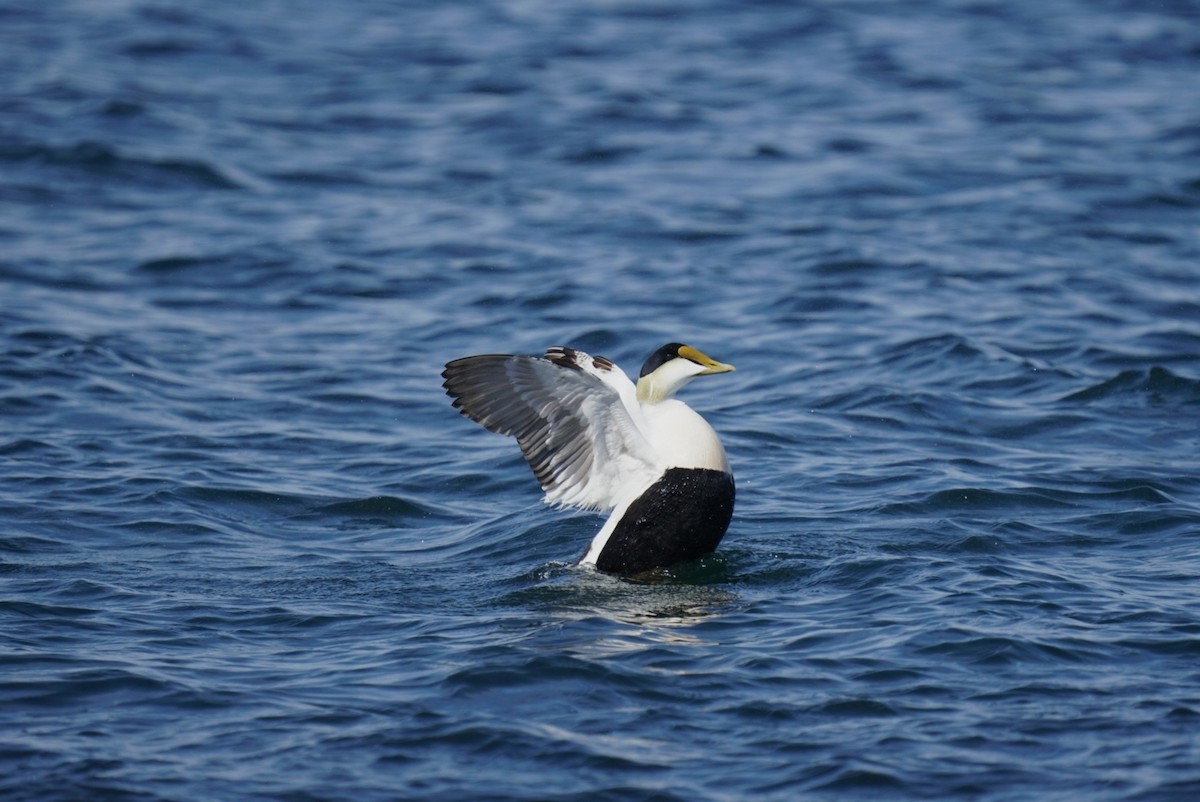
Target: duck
<point>597,441</point>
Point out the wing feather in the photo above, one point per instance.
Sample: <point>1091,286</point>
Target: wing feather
<point>573,417</point>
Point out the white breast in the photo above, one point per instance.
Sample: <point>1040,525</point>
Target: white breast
<point>681,437</point>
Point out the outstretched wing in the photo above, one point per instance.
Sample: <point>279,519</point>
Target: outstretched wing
<point>572,415</point>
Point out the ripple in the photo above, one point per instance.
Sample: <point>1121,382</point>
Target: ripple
<point>387,509</point>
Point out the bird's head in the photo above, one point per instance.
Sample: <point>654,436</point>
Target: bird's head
<point>671,367</point>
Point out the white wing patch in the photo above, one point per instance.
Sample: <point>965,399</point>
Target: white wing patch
<point>575,417</point>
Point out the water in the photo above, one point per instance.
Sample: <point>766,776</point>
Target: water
<point>249,552</point>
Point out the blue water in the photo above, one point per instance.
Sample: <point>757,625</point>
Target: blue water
<point>248,551</point>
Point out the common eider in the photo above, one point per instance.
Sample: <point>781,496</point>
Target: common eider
<point>596,441</point>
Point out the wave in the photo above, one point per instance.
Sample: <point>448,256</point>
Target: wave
<point>107,161</point>
<point>1156,386</point>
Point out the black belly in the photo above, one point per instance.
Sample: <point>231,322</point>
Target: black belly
<point>680,517</point>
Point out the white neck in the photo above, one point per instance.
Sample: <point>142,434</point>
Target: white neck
<point>666,380</point>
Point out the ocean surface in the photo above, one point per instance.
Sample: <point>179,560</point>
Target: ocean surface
<point>248,551</point>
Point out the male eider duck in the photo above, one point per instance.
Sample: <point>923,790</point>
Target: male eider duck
<point>595,441</point>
